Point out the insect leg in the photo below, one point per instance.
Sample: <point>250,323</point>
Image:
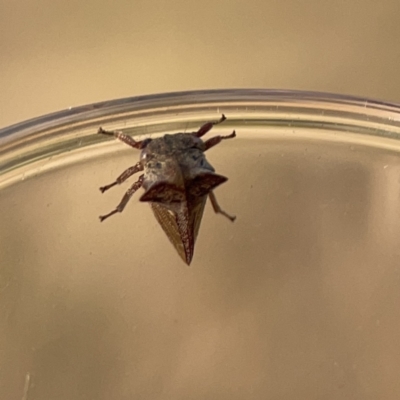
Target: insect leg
<point>208,126</point>
<point>129,193</point>
<point>217,208</point>
<point>122,137</point>
<point>124,176</point>
<point>217,139</point>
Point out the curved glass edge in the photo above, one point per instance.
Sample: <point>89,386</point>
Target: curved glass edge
<point>76,114</point>
<point>60,138</point>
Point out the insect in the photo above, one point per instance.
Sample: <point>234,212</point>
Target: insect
<point>177,180</point>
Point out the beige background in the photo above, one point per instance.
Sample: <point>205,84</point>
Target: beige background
<point>298,299</point>
<point>55,54</point>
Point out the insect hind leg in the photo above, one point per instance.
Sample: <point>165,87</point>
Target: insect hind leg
<point>217,208</point>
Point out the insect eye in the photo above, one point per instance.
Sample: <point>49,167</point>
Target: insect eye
<point>145,142</point>
<point>199,158</point>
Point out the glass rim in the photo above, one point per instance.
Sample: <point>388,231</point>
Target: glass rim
<point>169,99</point>
<point>50,141</point>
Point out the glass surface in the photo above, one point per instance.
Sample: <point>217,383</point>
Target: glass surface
<point>298,299</point>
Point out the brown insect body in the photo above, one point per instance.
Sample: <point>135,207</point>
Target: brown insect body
<point>177,180</point>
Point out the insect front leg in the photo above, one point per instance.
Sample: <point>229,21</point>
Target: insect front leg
<point>217,208</point>
<point>123,138</point>
<point>124,176</point>
<point>217,139</point>
<point>129,193</point>
<point>208,126</point>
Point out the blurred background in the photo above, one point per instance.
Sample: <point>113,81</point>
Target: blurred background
<point>58,54</point>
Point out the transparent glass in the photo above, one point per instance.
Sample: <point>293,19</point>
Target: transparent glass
<point>298,299</point>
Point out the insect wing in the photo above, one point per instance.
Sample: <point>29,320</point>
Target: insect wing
<point>196,214</point>
<point>167,221</point>
<point>181,225</point>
